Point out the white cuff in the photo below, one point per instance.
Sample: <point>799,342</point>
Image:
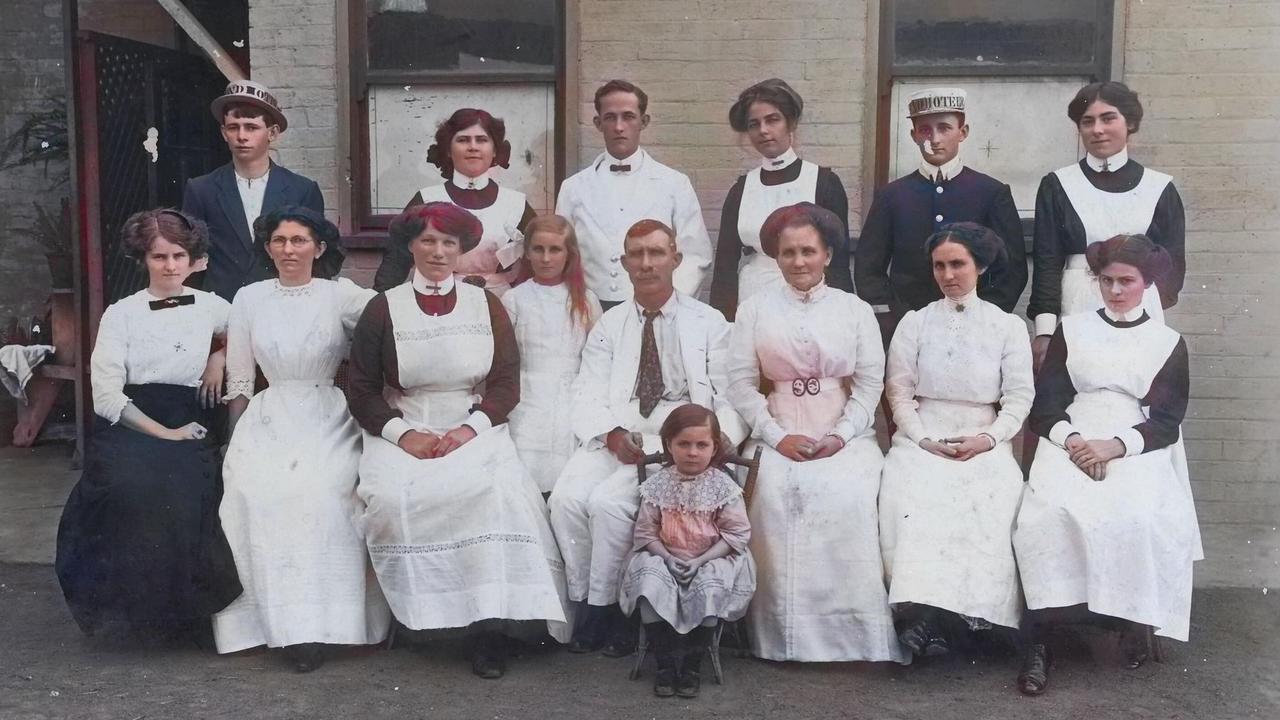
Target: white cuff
<point>1045,324</point>
<point>844,430</point>
<point>394,430</point>
<point>772,433</point>
<point>1133,441</point>
<point>1059,433</point>
<point>479,422</point>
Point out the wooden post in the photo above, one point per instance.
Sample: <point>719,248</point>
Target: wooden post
<point>192,26</point>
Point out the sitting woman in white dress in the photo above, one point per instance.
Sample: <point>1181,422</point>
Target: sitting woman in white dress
<point>290,503</point>
<point>457,530</point>
<point>140,550</point>
<point>806,368</point>
<point>959,383</point>
<point>1107,527</point>
<point>690,566</point>
<point>551,314</point>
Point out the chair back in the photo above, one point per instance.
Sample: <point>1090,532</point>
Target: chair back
<point>748,484</point>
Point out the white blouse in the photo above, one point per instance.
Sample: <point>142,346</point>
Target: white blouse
<point>550,341</point>
<point>295,334</point>
<point>783,335</point>
<point>978,355</point>
<point>140,346</point>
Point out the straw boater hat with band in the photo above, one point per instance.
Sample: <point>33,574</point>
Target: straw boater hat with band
<point>248,92</point>
<point>936,100</point>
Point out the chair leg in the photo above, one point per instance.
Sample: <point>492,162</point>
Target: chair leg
<point>642,647</point>
<point>714,651</point>
<point>391,635</point>
<point>1154,648</point>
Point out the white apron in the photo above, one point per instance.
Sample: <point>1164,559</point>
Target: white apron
<point>758,201</point>
<point>465,537</point>
<point>500,221</point>
<point>820,592</point>
<point>1105,215</point>
<point>946,527</point>
<point>1125,546</point>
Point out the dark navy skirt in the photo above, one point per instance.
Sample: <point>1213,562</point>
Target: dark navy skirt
<point>140,544</point>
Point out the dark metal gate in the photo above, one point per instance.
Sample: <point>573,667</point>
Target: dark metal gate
<point>132,92</point>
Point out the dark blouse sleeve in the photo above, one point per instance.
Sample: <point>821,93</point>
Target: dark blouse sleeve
<point>830,194</point>
<point>526,218</point>
<point>873,252</point>
<point>1167,400</point>
<point>1054,389</point>
<point>1047,256</point>
<point>502,384</point>
<point>724,275</point>
<point>396,260</point>
<point>373,349</point>
<point>1168,229</point>
<point>1008,280</point>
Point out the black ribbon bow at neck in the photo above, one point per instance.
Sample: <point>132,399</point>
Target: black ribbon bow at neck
<point>173,302</point>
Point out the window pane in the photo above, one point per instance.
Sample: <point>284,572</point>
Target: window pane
<point>491,36</point>
<point>979,33</point>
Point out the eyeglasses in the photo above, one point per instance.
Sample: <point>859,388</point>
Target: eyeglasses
<point>297,241</point>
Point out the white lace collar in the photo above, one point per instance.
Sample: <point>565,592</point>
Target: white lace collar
<point>705,493</point>
<point>294,290</point>
<point>781,162</point>
<point>1111,164</point>
<point>423,286</point>
<point>817,292</point>
<point>470,183</point>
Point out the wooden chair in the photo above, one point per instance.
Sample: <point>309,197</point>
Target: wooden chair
<point>737,628</point>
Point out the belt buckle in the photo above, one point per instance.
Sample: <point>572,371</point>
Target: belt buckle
<point>813,386</point>
<point>797,387</point>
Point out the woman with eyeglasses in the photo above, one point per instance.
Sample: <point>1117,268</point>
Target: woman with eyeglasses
<point>291,464</point>
<point>140,550</point>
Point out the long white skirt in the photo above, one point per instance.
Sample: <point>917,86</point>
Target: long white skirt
<point>820,592</point>
<point>288,510</point>
<point>461,538</point>
<point>1126,545</point>
<point>946,527</point>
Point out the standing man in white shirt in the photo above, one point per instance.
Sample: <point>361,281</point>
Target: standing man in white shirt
<point>623,185</point>
<point>232,197</point>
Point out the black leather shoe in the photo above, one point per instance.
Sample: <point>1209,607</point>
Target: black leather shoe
<point>488,660</point>
<point>584,643</point>
<point>688,684</point>
<point>588,637</point>
<point>306,657</point>
<point>1033,679</point>
<point>1135,645</point>
<point>664,682</point>
<point>925,639</point>
<point>620,646</point>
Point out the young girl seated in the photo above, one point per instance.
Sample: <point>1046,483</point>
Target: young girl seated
<point>690,565</point>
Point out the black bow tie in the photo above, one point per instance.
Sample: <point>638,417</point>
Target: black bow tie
<point>619,168</point>
<point>173,302</point>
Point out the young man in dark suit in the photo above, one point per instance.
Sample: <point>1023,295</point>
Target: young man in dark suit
<point>890,269</point>
<point>232,197</point>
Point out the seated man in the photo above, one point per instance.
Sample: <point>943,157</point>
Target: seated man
<point>642,360</point>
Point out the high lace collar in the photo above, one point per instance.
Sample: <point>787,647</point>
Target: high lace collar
<point>961,304</point>
<point>705,493</point>
<point>813,294</point>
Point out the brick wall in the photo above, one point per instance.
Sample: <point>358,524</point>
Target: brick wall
<point>1208,73</point>
<point>693,58</point>
<point>31,79</point>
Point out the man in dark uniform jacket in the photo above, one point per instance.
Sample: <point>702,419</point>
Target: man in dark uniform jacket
<point>891,270</point>
<point>230,198</point>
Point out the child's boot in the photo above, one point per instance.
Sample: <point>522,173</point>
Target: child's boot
<point>662,640</point>
<point>695,646</point>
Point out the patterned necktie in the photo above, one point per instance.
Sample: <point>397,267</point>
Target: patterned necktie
<point>649,386</point>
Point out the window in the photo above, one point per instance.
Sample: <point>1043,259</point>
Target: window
<point>1020,63</point>
<point>414,62</point>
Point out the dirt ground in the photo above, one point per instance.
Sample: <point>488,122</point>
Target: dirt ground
<point>1231,669</point>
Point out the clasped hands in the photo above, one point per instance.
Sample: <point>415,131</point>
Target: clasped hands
<point>683,570</point>
<point>427,445</point>
<point>802,447</point>
<point>963,447</point>
<point>1092,456</point>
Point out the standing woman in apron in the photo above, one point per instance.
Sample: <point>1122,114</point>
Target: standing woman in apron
<point>1103,195</point>
<point>768,113</point>
<point>468,145</point>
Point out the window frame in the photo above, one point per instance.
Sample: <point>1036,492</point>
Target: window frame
<point>888,71</point>
<point>369,230</point>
